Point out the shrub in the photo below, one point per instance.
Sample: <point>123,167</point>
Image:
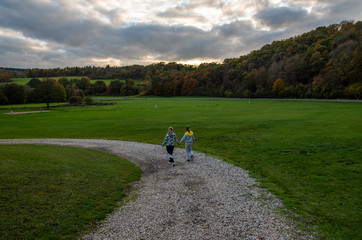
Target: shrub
<point>278,87</point>
<point>75,100</point>
<point>88,100</point>
<point>354,90</point>
<point>98,88</point>
<point>228,93</point>
<point>3,98</point>
<point>14,93</point>
<point>34,83</point>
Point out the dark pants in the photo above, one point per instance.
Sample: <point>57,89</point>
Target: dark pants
<point>170,150</point>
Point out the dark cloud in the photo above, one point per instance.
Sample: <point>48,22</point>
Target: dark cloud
<point>47,21</point>
<point>341,10</point>
<point>279,17</point>
<point>168,42</point>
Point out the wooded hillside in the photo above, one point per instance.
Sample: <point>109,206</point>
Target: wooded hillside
<point>323,63</point>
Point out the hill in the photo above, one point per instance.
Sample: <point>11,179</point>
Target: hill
<point>323,63</point>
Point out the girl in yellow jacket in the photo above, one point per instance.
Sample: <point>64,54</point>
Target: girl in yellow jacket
<point>189,139</point>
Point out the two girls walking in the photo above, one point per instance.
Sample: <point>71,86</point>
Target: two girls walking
<point>171,138</point>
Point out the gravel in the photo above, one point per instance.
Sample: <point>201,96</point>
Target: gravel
<point>203,199</point>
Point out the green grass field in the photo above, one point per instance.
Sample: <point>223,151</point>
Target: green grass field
<point>33,106</point>
<point>307,153</point>
<point>23,81</point>
<point>50,192</point>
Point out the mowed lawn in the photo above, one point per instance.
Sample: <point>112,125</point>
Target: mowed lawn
<point>307,153</point>
<point>50,192</point>
<point>23,81</point>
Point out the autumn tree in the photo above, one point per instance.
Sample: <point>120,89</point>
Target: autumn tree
<point>318,87</point>
<point>189,87</point>
<point>355,66</point>
<point>50,91</point>
<point>4,76</point>
<point>167,89</point>
<point>354,91</point>
<point>278,86</point>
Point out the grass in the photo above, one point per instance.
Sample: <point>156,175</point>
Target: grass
<point>23,81</point>
<point>307,153</point>
<point>50,192</point>
<point>36,106</point>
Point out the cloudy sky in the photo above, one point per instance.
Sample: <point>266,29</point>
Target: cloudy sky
<point>61,33</point>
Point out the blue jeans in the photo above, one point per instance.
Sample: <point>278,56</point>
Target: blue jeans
<point>188,150</point>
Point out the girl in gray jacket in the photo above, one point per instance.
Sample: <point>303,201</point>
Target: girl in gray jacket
<point>170,140</point>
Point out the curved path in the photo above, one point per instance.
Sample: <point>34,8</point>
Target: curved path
<point>203,199</point>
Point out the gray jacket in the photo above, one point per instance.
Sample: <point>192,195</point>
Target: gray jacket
<point>169,140</point>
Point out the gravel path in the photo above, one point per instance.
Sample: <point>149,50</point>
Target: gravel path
<point>203,199</point>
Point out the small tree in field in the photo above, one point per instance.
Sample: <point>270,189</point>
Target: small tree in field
<point>50,91</point>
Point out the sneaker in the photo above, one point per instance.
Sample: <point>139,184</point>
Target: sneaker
<point>173,164</point>
<point>171,161</point>
<point>188,160</point>
<point>192,157</point>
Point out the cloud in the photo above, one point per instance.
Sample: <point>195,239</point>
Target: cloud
<point>279,17</point>
<point>42,33</point>
<point>341,10</point>
<point>181,13</point>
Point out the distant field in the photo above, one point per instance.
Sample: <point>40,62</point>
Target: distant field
<point>23,81</point>
<point>18,107</point>
<point>307,153</point>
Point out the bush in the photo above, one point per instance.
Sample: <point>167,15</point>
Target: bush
<point>34,83</point>
<point>14,93</point>
<point>88,100</point>
<point>75,100</point>
<point>354,91</point>
<point>228,94</point>
<point>98,88</point>
<point>3,98</point>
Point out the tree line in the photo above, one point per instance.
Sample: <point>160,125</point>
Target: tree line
<point>323,63</point>
<point>75,90</point>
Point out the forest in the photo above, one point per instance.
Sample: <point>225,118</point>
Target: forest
<point>323,63</point>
